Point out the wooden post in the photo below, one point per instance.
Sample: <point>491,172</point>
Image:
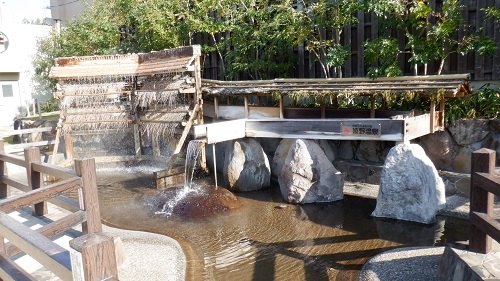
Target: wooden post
<point>35,179</point>
<point>98,257</point>
<point>4,188</point>
<point>281,107</point>
<point>372,106</point>
<point>86,170</point>
<point>441,113</point>
<point>137,140</point>
<point>483,160</point>
<point>68,140</point>
<point>155,141</point>
<point>216,106</point>
<point>323,108</point>
<point>199,97</point>
<point>245,99</point>
<point>433,116</point>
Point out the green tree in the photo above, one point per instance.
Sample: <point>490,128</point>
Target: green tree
<point>431,34</point>
<point>318,16</point>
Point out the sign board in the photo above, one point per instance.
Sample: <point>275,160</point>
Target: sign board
<point>360,129</point>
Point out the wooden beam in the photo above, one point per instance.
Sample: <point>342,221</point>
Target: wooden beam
<point>486,224</point>
<point>11,271</point>
<point>441,113</point>
<point>35,179</point>
<point>137,140</point>
<point>216,106</point>
<point>25,131</point>
<point>38,195</point>
<point>86,170</point>
<point>68,141</point>
<point>487,182</point>
<point>53,170</point>
<point>14,183</point>
<point>54,228</point>
<point>42,249</point>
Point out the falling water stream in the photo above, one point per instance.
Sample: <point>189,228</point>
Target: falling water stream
<point>266,238</point>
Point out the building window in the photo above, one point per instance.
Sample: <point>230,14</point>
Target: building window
<point>7,91</point>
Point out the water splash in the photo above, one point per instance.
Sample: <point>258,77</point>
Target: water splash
<point>193,153</point>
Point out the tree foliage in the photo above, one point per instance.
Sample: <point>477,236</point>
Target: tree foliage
<point>260,38</point>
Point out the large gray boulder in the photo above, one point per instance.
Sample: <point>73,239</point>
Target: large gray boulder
<point>410,187</point>
<point>280,156</point>
<point>469,131</point>
<point>246,166</point>
<point>439,147</point>
<point>308,176</point>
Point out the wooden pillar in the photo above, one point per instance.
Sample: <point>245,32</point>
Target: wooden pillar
<point>199,96</point>
<point>281,107</point>
<point>432,116</point>
<point>228,100</point>
<point>245,99</point>
<point>323,108</point>
<point>35,179</point>
<point>441,113</point>
<point>155,141</point>
<point>89,200</point>
<point>68,140</point>
<point>259,100</point>
<point>372,106</point>
<point>4,188</point>
<point>137,140</point>
<point>216,106</point>
<point>95,256</point>
<point>483,161</point>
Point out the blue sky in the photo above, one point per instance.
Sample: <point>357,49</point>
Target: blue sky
<point>14,11</point>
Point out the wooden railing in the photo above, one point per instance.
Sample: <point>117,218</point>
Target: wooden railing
<point>93,254</point>
<point>21,146</point>
<point>484,185</point>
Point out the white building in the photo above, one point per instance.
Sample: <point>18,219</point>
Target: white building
<point>65,10</point>
<point>17,47</point>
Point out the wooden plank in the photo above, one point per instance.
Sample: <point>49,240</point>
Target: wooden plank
<point>483,160</point>
<point>54,228</point>
<point>281,107</point>
<point>85,169</point>
<point>25,131</point>
<point>486,224</point>
<point>488,182</point>
<point>257,112</point>
<point>65,203</point>
<point>11,271</point>
<point>221,132</point>
<point>35,179</point>
<point>245,99</point>
<point>53,170</point>
<point>231,112</point>
<point>98,256</point>
<point>38,195</point>
<point>321,129</point>
<point>416,127</point>
<point>42,249</point>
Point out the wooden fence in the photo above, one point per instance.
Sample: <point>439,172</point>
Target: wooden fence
<point>21,146</point>
<point>484,185</point>
<point>93,257</point>
<point>480,67</point>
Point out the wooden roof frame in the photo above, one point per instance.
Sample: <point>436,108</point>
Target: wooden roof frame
<point>157,62</point>
<point>456,85</point>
